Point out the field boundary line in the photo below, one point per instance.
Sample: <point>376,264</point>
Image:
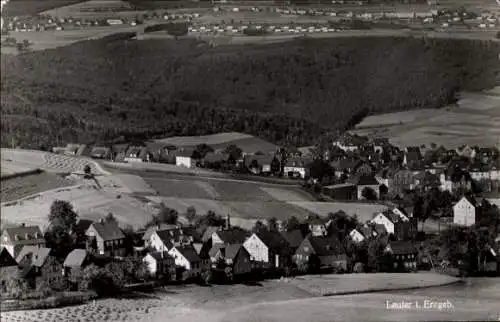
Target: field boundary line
<point>14,202</point>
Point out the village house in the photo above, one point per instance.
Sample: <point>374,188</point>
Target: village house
<point>165,239</point>
<point>294,238</point>
<point>345,166</point>
<point>379,144</point>
<point>363,182</point>
<point>187,258</point>
<point>455,179</point>
<point>401,182</point>
<point>118,152</point>
<point>297,167</point>
<point>75,262</point>
<point>395,222</point>
<point>106,238</point>
<point>215,160</point>
<point>403,256</point>
<point>464,212</point>
<point>32,260</point>
<point>100,152</point>
<point>268,249</point>
<point>412,155</point>
<point>466,151</point>
<point>327,252</point>
<point>229,236</point>
<point>8,270</point>
<point>160,264</point>
<point>76,149</point>
<point>234,256</point>
<point>427,181</point>
<point>318,227</point>
<point>137,154</point>
<point>207,234</point>
<point>350,142</point>
<point>15,238</point>
<point>356,236</point>
<point>185,159</point>
<point>341,191</point>
<point>258,163</point>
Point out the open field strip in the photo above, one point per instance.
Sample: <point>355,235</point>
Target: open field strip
<point>23,186</point>
<point>212,139</point>
<point>363,211</point>
<point>145,166</point>
<point>48,161</point>
<point>270,301</point>
<point>333,284</point>
<point>286,194</point>
<point>89,202</point>
<point>126,183</point>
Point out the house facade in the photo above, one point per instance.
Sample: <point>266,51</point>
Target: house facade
<point>106,238</point>
<point>464,212</point>
<point>234,256</point>
<point>187,258</point>
<point>160,264</point>
<point>15,238</point>
<point>268,249</point>
<point>356,236</point>
<point>297,168</point>
<point>322,252</point>
<point>8,270</point>
<point>403,256</point>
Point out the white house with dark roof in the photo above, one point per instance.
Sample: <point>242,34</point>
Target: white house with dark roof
<point>185,159</point>
<point>186,256</point>
<point>356,236</point>
<point>106,238</point>
<point>464,212</point>
<point>15,238</point>
<point>394,221</point>
<point>159,263</point>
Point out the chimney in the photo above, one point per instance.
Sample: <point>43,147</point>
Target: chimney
<point>228,221</point>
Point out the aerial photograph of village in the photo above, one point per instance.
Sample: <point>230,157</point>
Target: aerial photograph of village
<point>253,161</point>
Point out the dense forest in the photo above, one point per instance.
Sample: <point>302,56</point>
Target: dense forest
<point>287,93</point>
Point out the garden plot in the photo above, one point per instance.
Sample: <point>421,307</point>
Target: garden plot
<point>181,188</point>
<point>263,210</point>
<point>363,211</point>
<point>127,183</point>
<point>89,202</point>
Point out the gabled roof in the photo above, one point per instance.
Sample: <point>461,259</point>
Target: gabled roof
<point>298,162</point>
<point>159,256</point>
<point>170,236</point>
<point>326,246</point>
<point>6,258</point>
<point>36,255</point>
<point>364,180</point>
<point>232,236</point>
<point>470,199</point>
<point>260,159</point>
<point>152,229</point>
<point>294,237</point>
<point>345,164</point>
<point>26,235</point>
<point>231,251</point>
<point>208,232</point>
<point>108,230</point>
<point>81,226</point>
<point>402,247</point>
<point>189,253</point>
<point>76,258</point>
<point>215,249</point>
<point>274,241</point>
<point>366,231</point>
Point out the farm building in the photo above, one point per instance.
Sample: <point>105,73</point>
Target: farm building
<point>341,191</point>
<point>268,249</point>
<point>297,167</point>
<point>233,255</point>
<point>184,159</point>
<point>404,255</point>
<point>363,182</point>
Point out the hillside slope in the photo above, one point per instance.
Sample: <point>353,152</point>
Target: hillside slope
<point>284,93</point>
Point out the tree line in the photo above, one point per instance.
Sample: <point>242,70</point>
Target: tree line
<point>288,93</point>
